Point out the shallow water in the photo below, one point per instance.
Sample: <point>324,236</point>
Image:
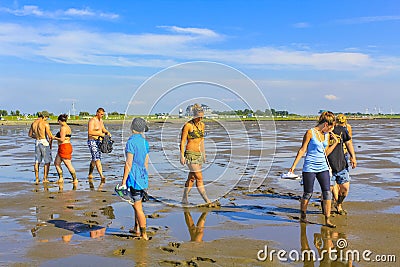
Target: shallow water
<point>237,154</point>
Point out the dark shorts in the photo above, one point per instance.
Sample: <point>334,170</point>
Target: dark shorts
<point>94,149</point>
<point>135,195</point>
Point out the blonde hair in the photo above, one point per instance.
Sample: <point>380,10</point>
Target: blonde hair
<point>327,116</point>
<point>197,108</point>
<point>341,118</point>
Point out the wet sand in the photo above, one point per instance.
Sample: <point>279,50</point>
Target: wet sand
<point>48,226</point>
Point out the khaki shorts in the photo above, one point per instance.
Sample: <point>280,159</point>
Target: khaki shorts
<point>193,157</point>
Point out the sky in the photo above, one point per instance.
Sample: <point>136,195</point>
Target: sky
<point>301,56</point>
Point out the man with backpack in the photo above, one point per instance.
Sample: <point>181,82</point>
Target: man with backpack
<point>96,131</point>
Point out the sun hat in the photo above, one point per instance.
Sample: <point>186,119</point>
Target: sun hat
<point>139,125</point>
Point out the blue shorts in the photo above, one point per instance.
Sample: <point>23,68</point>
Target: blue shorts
<point>42,152</point>
<point>135,195</point>
<point>94,149</point>
<point>341,177</point>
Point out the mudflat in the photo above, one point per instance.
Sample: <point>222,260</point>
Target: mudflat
<point>49,224</point>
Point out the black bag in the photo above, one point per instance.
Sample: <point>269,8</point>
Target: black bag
<point>106,144</point>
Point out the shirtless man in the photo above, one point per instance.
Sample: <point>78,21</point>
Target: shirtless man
<point>40,131</point>
<point>96,129</point>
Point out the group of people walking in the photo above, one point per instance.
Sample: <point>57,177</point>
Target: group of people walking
<point>40,131</point>
<point>135,178</point>
<point>326,146</point>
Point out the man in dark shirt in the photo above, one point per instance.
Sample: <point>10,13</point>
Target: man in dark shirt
<point>340,175</point>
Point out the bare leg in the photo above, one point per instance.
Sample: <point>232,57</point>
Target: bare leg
<point>36,168</point>
<point>335,192</point>
<point>71,169</point>
<point>100,170</point>
<point>57,163</point>
<point>188,186</point>
<point>327,208</point>
<point>343,192</point>
<point>91,168</point>
<point>137,206</point>
<point>200,186</point>
<point>198,176</point>
<point>136,228</point>
<point>46,172</point>
<point>303,210</point>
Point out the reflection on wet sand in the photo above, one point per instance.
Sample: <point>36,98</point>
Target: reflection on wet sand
<point>47,186</point>
<point>196,231</point>
<point>95,231</point>
<point>91,185</point>
<point>325,242</point>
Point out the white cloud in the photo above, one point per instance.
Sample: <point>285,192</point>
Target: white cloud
<point>31,10</point>
<point>195,31</point>
<point>79,12</point>
<point>331,97</point>
<point>79,46</point>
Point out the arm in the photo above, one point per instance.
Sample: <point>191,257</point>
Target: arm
<point>350,148</point>
<point>48,134</point>
<point>348,126</point>
<point>146,162</point>
<point>31,134</point>
<point>306,139</point>
<point>62,135</point>
<point>127,167</point>
<point>330,148</point>
<point>182,145</point>
<point>202,148</point>
<point>104,130</point>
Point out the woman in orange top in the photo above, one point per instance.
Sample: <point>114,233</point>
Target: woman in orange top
<point>64,153</point>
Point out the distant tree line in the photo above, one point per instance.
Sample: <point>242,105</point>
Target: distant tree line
<point>4,112</point>
<point>247,112</point>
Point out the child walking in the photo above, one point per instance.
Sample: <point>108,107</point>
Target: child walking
<point>135,178</point>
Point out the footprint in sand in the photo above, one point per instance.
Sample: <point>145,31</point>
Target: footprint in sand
<point>205,259</point>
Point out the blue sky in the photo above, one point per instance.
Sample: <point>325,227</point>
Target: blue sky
<point>303,55</point>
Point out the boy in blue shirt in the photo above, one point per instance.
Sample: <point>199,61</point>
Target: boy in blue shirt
<point>135,178</point>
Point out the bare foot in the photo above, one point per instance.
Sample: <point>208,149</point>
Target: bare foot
<point>304,220</point>
<point>60,181</point>
<point>134,232</point>
<point>75,181</point>
<point>329,224</point>
<point>103,180</point>
<point>100,186</point>
<point>45,181</point>
<point>90,177</point>
<point>37,181</point>
<point>144,236</point>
